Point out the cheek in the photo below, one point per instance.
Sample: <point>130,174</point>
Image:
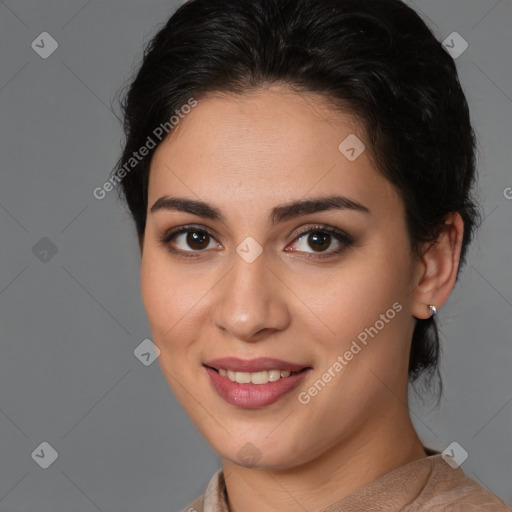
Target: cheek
<point>162,295</point>
<point>368,294</point>
<point>153,293</point>
<point>173,301</point>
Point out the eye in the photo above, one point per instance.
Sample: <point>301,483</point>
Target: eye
<point>320,238</point>
<point>188,239</point>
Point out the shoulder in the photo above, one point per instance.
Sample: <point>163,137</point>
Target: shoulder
<point>195,506</point>
<point>213,499</point>
<point>451,490</point>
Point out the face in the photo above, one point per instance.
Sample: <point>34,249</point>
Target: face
<point>234,278</point>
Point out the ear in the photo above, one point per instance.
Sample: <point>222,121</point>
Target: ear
<point>437,268</point>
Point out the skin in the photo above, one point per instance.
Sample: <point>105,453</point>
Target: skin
<point>245,155</point>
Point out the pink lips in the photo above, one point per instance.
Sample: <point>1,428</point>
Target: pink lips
<point>253,365</point>
<point>253,395</point>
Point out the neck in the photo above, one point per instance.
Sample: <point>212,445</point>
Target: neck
<point>372,452</point>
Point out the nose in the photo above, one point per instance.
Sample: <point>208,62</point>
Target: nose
<point>251,301</point>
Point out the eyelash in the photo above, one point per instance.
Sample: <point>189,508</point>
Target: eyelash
<point>343,238</point>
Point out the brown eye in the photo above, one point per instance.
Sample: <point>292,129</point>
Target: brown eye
<point>188,241</point>
<point>319,241</point>
<point>196,239</point>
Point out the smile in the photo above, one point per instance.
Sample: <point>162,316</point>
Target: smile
<point>254,383</point>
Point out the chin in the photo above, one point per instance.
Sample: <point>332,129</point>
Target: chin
<point>260,452</point>
<point>252,458</point>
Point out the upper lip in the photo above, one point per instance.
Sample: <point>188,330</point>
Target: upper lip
<point>253,365</point>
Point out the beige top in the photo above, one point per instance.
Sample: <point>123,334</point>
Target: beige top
<point>429,484</point>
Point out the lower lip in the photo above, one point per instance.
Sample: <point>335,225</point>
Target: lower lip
<point>254,395</point>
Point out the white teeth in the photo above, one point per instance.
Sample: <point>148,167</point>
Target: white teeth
<point>262,377</point>
<point>274,375</point>
<point>243,377</point>
<point>259,377</point>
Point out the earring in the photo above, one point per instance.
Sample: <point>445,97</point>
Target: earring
<point>432,309</point>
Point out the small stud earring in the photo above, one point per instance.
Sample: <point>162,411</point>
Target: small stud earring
<point>432,309</point>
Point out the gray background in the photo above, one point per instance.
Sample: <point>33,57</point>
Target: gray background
<point>70,321</point>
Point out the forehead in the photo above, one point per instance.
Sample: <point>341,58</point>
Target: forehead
<point>268,117</point>
<point>263,147</point>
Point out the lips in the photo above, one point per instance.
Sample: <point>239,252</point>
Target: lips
<point>254,383</point>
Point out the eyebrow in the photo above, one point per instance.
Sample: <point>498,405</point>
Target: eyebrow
<point>279,213</point>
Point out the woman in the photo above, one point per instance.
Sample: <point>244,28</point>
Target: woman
<point>300,178</point>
